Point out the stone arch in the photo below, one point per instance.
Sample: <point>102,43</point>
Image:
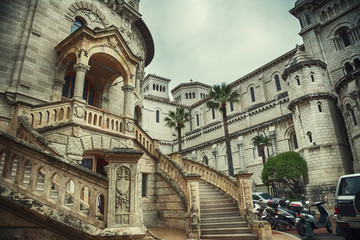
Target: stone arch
<point>334,31</point>
<point>89,10</point>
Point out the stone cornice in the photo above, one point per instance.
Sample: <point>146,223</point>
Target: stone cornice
<point>312,96</point>
<point>265,67</point>
<point>156,77</point>
<point>192,84</point>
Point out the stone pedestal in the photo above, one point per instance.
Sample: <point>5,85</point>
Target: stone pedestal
<point>124,213</point>
<point>243,180</point>
<point>193,212</point>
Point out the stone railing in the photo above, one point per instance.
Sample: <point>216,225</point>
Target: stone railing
<point>58,185</point>
<point>145,140</point>
<point>224,182</point>
<point>79,112</point>
<point>189,186</point>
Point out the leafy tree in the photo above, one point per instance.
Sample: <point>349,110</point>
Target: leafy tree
<point>177,119</point>
<point>287,168</point>
<point>260,141</point>
<point>220,95</point>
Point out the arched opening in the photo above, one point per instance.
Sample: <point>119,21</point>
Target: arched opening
<point>40,180</point>
<point>79,22</point>
<point>252,93</point>
<point>69,194</point>
<point>277,82</point>
<point>55,185</point>
<point>205,160</point>
<point>85,200</point>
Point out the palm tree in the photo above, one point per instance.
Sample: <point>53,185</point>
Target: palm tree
<point>177,119</point>
<point>220,95</point>
<point>262,142</point>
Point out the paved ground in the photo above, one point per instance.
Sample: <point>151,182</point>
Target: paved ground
<point>319,234</point>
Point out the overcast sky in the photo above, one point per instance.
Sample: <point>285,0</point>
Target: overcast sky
<point>214,41</point>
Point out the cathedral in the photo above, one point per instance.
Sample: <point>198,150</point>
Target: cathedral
<point>85,152</point>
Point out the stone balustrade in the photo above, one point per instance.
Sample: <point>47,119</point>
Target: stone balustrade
<point>224,182</point>
<point>53,182</point>
<point>46,115</point>
<point>145,140</point>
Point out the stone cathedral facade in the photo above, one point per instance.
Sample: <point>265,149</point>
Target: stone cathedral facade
<point>73,85</point>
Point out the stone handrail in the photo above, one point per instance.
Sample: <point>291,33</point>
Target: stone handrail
<point>23,165</point>
<point>224,182</point>
<point>145,140</point>
<point>51,114</point>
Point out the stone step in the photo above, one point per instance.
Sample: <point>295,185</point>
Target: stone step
<point>214,201</point>
<point>223,225</point>
<point>220,209</point>
<point>244,236</point>
<point>221,219</point>
<point>216,206</point>
<point>218,230</point>
<point>219,214</point>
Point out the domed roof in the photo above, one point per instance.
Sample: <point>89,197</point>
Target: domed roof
<point>300,59</point>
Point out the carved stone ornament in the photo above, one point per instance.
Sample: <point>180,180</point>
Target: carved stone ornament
<point>92,16</point>
<point>129,143</point>
<point>122,201</point>
<point>77,131</point>
<point>79,111</point>
<point>81,67</point>
<point>129,127</point>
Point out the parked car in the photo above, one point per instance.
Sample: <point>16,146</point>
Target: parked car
<point>347,206</point>
<point>261,198</point>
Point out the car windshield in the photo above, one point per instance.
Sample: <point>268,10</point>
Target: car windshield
<point>265,196</point>
<point>349,186</point>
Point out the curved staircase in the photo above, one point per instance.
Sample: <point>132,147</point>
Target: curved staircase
<point>220,216</point>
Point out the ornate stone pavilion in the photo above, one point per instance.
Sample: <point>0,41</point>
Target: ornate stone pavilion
<point>84,150</point>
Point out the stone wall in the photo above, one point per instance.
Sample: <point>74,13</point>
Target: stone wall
<point>170,207</point>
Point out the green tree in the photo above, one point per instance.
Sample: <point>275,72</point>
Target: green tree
<point>262,142</point>
<point>177,119</point>
<point>220,95</point>
<point>287,168</point>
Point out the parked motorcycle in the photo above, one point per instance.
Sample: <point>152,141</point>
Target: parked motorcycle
<point>279,218</point>
<point>322,221</point>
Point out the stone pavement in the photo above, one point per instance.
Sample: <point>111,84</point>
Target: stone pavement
<point>174,234</point>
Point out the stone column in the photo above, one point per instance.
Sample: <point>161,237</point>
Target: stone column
<point>124,213</point>
<point>243,180</point>
<point>241,155</point>
<point>128,90</point>
<point>81,70</point>
<point>193,212</point>
<point>273,142</point>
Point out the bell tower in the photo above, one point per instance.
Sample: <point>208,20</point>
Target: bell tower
<point>316,123</point>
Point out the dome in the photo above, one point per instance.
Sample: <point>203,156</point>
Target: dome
<point>300,59</point>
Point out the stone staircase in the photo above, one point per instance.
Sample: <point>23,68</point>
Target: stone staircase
<point>220,216</point>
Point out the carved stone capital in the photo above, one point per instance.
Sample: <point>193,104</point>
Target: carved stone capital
<point>127,88</point>
<point>81,67</point>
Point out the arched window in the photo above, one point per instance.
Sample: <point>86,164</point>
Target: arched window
<point>154,87</point>
<point>310,136</point>
<point>231,106</point>
<point>157,87</point>
<point>77,24</point>
<point>348,67</point>
<point>277,83</point>
<point>330,12</point>
<point>252,93</point>
<point>213,113</point>
<point>312,77</point>
<point>157,116</point>
<point>344,37</point>
<point>186,95</point>
<point>324,15</point>
<point>308,19</point>
<point>68,88</point>
<point>293,140</point>
<point>197,120</point>
<point>205,160</point>
<point>89,93</point>
<point>352,114</point>
<point>336,8</point>
<point>297,80</point>
<point>319,104</point>
<point>193,95</point>
<point>357,63</point>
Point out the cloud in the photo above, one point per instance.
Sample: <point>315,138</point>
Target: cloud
<point>213,41</point>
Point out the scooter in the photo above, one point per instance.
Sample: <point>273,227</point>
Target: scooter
<point>278,217</point>
<point>322,221</point>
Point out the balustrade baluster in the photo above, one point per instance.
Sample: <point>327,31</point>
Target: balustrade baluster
<point>77,194</point>
<point>8,164</point>
<point>62,190</point>
<point>20,170</point>
<point>47,184</point>
<point>92,203</point>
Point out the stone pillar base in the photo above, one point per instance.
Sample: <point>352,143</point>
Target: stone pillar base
<point>262,229</point>
<point>125,232</point>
